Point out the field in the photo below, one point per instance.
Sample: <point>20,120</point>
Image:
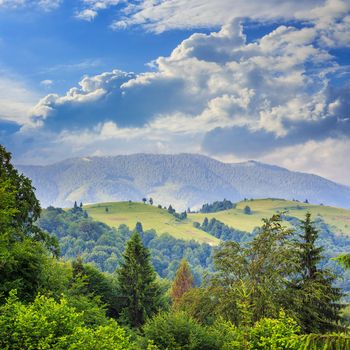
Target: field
<point>338,219</point>
<point>129,213</point>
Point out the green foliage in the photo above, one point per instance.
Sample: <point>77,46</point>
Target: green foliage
<point>138,290</point>
<point>200,304</point>
<point>217,206</point>
<point>325,342</point>
<point>275,334</point>
<point>260,267</point>
<point>178,331</point>
<point>316,300</point>
<point>23,257</point>
<point>344,260</point>
<point>102,245</point>
<point>47,324</point>
<point>89,281</point>
<point>219,230</point>
<point>247,210</point>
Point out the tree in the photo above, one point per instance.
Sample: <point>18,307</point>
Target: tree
<point>144,200</point>
<point>138,289</point>
<point>171,210</point>
<point>151,201</point>
<point>179,331</point>
<point>106,210</point>
<point>138,227</point>
<point>24,247</point>
<point>205,223</point>
<point>182,283</point>
<point>20,203</point>
<point>247,210</point>
<point>316,299</point>
<point>251,278</point>
<point>48,324</point>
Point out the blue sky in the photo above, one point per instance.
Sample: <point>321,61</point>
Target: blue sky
<point>232,79</point>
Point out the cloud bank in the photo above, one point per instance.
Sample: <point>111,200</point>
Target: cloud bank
<point>283,98</point>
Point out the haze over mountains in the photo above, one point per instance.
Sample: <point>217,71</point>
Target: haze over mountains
<point>184,180</point>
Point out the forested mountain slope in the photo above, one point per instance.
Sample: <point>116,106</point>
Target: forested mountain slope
<point>184,180</point>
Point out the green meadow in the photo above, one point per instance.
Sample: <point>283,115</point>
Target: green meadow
<point>151,217</point>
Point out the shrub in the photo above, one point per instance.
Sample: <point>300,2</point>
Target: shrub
<point>179,331</point>
<point>275,334</point>
<point>47,324</point>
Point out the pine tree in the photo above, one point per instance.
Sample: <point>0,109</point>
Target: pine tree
<point>138,227</point>
<point>183,282</point>
<point>318,306</point>
<point>138,289</point>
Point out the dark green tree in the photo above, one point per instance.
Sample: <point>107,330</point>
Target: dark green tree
<point>138,289</point>
<point>23,254</point>
<point>317,300</point>
<point>247,210</point>
<point>251,278</point>
<point>138,227</point>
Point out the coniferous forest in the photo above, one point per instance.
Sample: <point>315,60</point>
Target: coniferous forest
<point>69,282</point>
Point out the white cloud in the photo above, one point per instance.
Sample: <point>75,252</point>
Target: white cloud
<point>328,158</point>
<point>46,5</point>
<point>91,8</point>
<point>16,100</point>
<point>210,81</point>
<point>216,94</point>
<point>162,15</point>
<point>47,83</point>
<point>86,15</point>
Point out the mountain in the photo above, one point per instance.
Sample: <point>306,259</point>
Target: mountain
<point>183,180</point>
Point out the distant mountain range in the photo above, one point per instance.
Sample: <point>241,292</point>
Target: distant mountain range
<point>183,180</point>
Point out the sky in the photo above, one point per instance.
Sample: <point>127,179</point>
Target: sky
<point>231,79</point>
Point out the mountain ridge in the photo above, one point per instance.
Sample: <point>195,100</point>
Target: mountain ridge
<point>183,180</point>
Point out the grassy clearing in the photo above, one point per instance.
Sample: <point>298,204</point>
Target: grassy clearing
<point>151,217</point>
<point>338,219</point>
<point>129,213</point>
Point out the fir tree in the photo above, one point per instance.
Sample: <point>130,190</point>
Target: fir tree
<point>138,289</point>
<point>318,306</point>
<point>183,282</point>
<point>138,227</point>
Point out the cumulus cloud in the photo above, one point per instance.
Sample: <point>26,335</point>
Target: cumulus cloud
<point>91,8</point>
<point>209,82</point>
<point>16,99</point>
<point>329,158</point>
<point>216,93</point>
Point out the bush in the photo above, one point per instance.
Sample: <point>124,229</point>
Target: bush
<point>179,331</point>
<point>275,334</point>
<point>47,324</point>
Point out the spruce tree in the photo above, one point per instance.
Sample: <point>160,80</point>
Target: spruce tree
<point>318,301</point>
<point>138,288</point>
<point>183,282</point>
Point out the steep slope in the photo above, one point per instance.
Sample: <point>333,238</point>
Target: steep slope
<point>151,217</point>
<point>183,180</point>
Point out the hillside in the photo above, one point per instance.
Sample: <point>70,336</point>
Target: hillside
<point>184,180</point>
<point>160,220</point>
<point>151,217</point>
